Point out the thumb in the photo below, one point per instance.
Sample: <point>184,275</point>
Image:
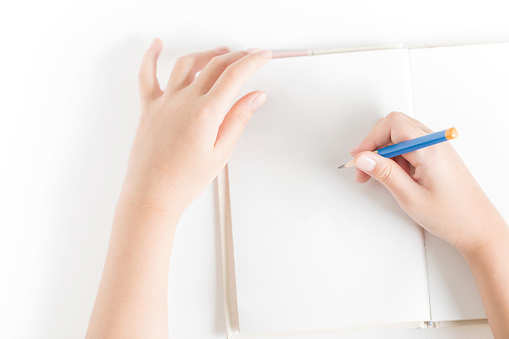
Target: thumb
<point>388,173</point>
<point>236,119</point>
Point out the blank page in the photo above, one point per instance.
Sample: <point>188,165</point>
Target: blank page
<point>466,87</point>
<point>312,248</point>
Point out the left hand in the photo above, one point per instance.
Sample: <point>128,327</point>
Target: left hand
<point>187,133</point>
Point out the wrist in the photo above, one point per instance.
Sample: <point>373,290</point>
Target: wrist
<point>488,240</point>
<point>141,207</point>
<point>149,195</point>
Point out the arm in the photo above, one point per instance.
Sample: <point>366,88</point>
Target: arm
<point>436,189</point>
<point>185,136</point>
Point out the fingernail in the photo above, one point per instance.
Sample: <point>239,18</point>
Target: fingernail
<point>252,50</point>
<point>258,100</point>
<point>154,42</point>
<point>221,49</point>
<point>354,149</point>
<point>365,163</point>
<point>265,53</point>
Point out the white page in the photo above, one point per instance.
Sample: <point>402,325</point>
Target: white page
<point>312,248</point>
<point>466,87</point>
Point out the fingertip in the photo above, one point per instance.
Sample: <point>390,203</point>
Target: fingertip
<point>258,100</point>
<point>155,42</point>
<point>354,150</point>
<point>365,161</point>
<point>153,51</point>
<point>221,49</point>
<point>252,50</point>
<point>266,54</point>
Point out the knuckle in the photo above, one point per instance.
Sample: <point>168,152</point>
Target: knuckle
<point>385,174</point>
<point>203,113</point>
<point>231,72</point>
<point>243,54</point>
<point>183,61</point>
<point>205,116</point>
<point>219,62</point>
<point>394,115</point>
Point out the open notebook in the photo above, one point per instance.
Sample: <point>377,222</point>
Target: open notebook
<point>306,249</point>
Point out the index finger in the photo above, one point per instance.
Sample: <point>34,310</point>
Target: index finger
<point>396,127</point>
<point>229,83</point>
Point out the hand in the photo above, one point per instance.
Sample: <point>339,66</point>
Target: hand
<point>431,184</point>
<point>187,133</point>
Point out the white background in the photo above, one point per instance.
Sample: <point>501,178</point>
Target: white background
<point>68,111</point>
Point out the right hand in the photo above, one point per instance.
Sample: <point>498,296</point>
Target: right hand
<point>432,184</point>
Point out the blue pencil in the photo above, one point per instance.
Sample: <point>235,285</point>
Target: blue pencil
<point>413,145</point>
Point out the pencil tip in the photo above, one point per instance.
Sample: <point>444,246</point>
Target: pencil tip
<point>341,166</point>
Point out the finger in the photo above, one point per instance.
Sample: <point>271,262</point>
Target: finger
<point>227,87</point>
<point>236,119</point>
<point>149,86</point>
<point>208,77</point>
<point>354,151</point>
<point>186,67</point>
<point>403,163</point>
<point>420,124</point>
<point>390,174</point>
<point>394,128</point>
<point>361,177</point>
<point>415,121</point>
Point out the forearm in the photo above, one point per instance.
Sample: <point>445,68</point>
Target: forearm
<point>490,267</point>
<point>132,297</point>
<point>185,136</point>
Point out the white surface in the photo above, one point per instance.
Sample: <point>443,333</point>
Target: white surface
<point>453,292</point>
<point>312,249</point>
<point>463,332</point>
<point>466,87</point>
<point>67,147</point>
<point>58,56</point>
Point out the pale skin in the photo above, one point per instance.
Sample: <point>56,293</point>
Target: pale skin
<point>187,133</point>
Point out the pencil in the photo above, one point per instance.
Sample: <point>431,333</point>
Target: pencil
<point>412,145</point>
<point>310,52</point>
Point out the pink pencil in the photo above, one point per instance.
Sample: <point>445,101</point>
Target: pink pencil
<point>291,54</point>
